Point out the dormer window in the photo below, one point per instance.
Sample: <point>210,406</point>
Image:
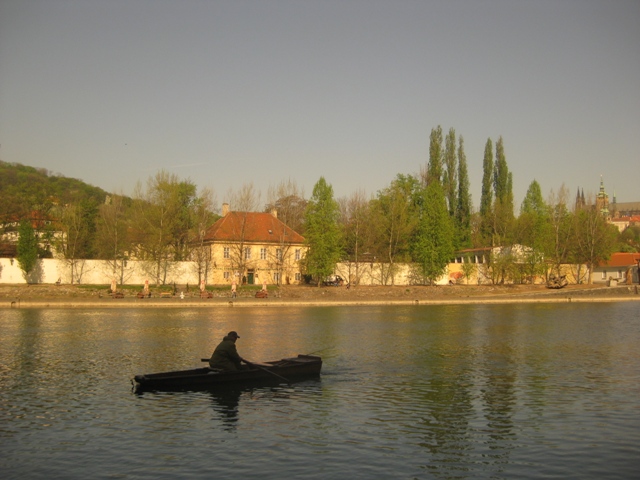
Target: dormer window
<point>270,231</point>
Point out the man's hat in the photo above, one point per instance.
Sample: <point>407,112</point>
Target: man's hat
<point>233,334</point>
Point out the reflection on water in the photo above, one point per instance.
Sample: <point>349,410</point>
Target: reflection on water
<point>406,392</point>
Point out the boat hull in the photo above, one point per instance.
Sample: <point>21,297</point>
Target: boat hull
<point>279,371</point>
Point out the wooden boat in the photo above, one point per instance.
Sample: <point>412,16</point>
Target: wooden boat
<point>278,371</point>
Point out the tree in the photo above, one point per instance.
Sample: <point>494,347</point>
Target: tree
<point>629,239</point>
<point>503,206</point>
<point>450,178</point>
<point>288,200</point>
<point>434,167</point>
<point>202,217</point>
<point>432,247</point>
<point>486,195</point>
<point>393,220</point>
<point>463,205</point>
<point>557,249</point>
<point>162,222</point>
<point>27,248</point>
<point>322,234</point>
<point>354,220</point>
<point>595,238</point>
<point>533,230</point>
<point>245,200</point>
<point>75,241</point>
<point>112,233</point>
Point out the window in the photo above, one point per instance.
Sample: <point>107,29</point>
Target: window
<point>604,275</point>
<point>297,254</point>
<point>227,275</point>
<point>276,277</point>
<point>298,276</point>
<point>226,253</point>
<point>263,254</point>
<point>247,254</point>
<point>279,254</point>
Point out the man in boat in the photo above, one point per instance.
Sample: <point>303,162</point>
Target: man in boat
<point>225,357</point>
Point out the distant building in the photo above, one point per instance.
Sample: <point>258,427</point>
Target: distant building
<point>620,268</point>
<point>254,248</point>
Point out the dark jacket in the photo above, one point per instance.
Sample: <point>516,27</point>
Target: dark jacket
<point>225,356</point>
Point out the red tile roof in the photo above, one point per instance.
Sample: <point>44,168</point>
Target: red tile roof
<point>622,260</point>
<point>258,228</point>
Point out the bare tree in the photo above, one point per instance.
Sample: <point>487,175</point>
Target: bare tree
<point>558,248</point>
<point>288,200</point>
<point>246,199</point>
<point>355,216</point>
<point>112,238</point>
<point>202,218</point>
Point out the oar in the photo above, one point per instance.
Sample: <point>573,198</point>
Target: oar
<point>318,351</point>
<point>267,370</point>
<point>257,366</point>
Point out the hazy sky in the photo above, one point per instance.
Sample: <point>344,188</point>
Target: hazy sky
<point>231,92</point>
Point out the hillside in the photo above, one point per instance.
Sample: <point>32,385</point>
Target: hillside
<point>25,189</point>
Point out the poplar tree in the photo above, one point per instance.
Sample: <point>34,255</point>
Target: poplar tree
<point>503,206</point>
<point>486,196</point>
<point>463,205</point>
<point>450,174</point>
<point>322,233</point>
<point>434,168</point>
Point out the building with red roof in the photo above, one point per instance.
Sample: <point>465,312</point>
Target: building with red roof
<point>254,248</point>
<point>621,267</point>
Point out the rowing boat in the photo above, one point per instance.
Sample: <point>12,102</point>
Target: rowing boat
<point>287,369</point>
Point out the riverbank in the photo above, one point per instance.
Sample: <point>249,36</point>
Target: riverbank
<point>65,296</point>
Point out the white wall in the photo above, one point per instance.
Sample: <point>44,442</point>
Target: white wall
<point>93,272</point>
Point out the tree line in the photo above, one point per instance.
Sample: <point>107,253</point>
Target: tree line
<point>422,219</point>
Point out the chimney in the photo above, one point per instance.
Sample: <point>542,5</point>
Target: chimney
<point>225,209</point>
<point>274,212</point>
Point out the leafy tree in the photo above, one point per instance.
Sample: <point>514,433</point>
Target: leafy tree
<point>162,222</point>
<point>27,248</point>
<point>533,231</point>
<point>432,246</point>
<point>393,220</point>
<point>450,178</point>
<point>434,167</point>
<point>503,206</point>
<point>486,195</point>
<point>468,270</point>
<point>463,205</point>
<point>322,234</point>
<point>629,239</point>
<point>533,201</point>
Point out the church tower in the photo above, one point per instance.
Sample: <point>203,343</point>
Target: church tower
<point>602,201</point>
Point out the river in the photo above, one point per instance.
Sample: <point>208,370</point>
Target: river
<point>433,392</point>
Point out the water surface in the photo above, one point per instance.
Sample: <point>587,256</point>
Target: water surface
<point>455,392</point>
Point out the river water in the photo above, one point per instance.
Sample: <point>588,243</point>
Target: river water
<point>442,392</point>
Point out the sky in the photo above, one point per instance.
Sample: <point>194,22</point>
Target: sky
<point>232,93</point>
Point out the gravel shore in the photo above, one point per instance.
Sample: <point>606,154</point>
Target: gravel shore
<point>42,296</point>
